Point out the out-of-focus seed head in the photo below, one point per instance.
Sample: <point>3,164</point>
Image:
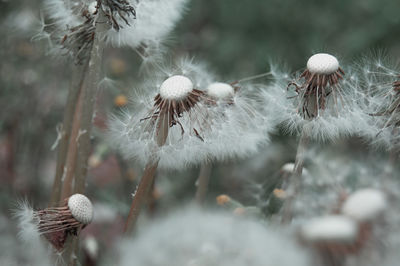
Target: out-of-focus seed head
<point>330,229</point>
<point>81,208</point>
<point>365,204</point>
<point>220,90</point>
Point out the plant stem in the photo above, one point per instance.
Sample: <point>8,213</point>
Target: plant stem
<point>141,195</point>
<point>143,189</point>
<point>89,98</point>
<point>78,74</point>
<point>72,151</point>
<point>202,182</point>
<point>295,179</point>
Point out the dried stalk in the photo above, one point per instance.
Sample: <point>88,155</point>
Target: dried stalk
<point>202,182</point>
<point>145,184</point>
<point>295,179</point>
<point>78,75</point>
<point>72,151</point>
<point>89,98</point>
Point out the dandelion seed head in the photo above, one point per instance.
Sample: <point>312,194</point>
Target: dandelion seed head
<point>207,238</point>
<point>339,115</point>
<point>81,208</point>
<point>92,8</point>
<point>154,20</point>
<point>322,64</point>
<point>365,204</point>
<point>201,129</point>
<point>176,88</point>
<point>330,229</point>
<point>220,90</point>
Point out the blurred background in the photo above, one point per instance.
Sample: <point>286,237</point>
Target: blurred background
<point>236,38</point>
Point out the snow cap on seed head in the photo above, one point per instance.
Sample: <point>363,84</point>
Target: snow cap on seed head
<point>220,90</point>
<point>322,64</point>
<point>332,228</point>
<point>365,204</point>
<point>176,88</point>
<point>81,208</point>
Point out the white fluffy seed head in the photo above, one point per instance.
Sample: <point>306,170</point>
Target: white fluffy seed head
<point>92,7</point>
<point>322,64</point>
<point>176,88</point>
<point>288,168</point>
<point>220,90</point>
<point>81,208</point>
<point>365,204</point>
<point>332,229</point>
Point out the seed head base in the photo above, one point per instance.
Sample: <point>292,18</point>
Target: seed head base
<point>117,8</point>
<point>173,109</point>
<point>56,223</point>
<point>314,91</point>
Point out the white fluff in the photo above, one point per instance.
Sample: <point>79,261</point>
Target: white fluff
<point>365,204</point>
<point>322,64</point>
<point>333,229</point>
<point>154,20</point>
<point>29,237</point>
<point>226,130</point>
<point>342,119</point>
<point>194,237</point>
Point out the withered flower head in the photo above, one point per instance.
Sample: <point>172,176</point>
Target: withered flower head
<point>57,223</point>
<point>321,79</point>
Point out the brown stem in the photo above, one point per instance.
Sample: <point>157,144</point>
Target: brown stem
<point>295,179</point>
<point>72,151</point>
<point>202,182</point>
<point>78,75</point>
<point>89,98</point>
<point>86,106</point>
<point>141,194</point>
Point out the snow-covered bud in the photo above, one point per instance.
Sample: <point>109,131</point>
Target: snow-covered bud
<point>365,205</point>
